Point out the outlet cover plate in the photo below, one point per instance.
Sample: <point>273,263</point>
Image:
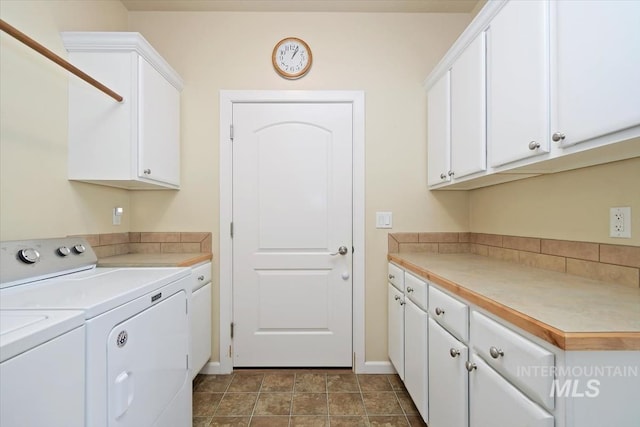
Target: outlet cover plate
<point>620,222</point>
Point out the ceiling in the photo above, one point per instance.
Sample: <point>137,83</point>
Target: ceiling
<point>404,6</point>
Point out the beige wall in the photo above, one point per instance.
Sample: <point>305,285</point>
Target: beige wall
<point>570,205</point>
<point>385,55</point>
<point>36,200</point>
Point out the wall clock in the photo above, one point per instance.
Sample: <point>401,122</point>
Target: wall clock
<point>292,58</point>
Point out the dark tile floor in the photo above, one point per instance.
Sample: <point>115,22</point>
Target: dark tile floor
<point>300,398</point>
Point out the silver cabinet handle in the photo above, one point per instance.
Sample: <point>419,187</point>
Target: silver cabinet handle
<point>443,176</point>
<point>396,298</point>
<point>391,277</point>
<point>402,303</point>
<point>147,171</point>
<point>201,278</point>
<point>495,352</point>
<point>454,352</point>
<point>409,289</point>
<point>451,173</point>
<point>534,145</point>
<point>470,365</point>
<point>342,250</point>
<point>439,311</point>
<point>558,136</point>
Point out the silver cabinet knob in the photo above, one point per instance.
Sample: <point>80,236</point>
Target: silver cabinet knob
<point>391,277</point>
<point>409,289</point>
<point>439,311</point>
<point>201,278</point>
<point>454,352</point>
<point>495,352</point>
<point>451,173</point>
<point>443,176</point>
<point>342,250</point>
<point>396,298</point>
<point>147,171</point>
<point>402,303</point>
<point>470,365</point>
<point>558,136</point>
<point>534,145</point>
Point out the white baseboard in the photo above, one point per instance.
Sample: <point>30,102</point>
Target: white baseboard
<point>384,367</point>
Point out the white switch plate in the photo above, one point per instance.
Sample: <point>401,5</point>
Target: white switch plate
<point>117,216</point>
<point>620,222</point>
<point>384,220</point>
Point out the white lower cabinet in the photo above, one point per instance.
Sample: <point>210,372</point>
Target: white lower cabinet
<point>415,356</point>
<point>448,379</point>
<point>395,328</point>
<point>407,334</point>
<point>493,401</point>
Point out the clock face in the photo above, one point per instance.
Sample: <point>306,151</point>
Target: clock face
<point>291,58</point>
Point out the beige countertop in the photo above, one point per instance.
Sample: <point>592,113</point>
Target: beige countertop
<point>155,260</point>
<point>570,312</point>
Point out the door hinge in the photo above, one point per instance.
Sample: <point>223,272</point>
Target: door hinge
<point>231,330</point>
<point>186,307</point>
<point>187,362</point>
<point>231,131</point>
<point>229,351</point>
<point>231,229</point>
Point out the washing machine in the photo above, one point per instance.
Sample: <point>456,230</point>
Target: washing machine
<point>135,323</point>
<point>42,371</point>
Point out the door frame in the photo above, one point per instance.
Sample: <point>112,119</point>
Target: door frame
<point>227,99</point>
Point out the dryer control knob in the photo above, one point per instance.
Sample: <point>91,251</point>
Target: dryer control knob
<point>63,251</point>
<point>79,248</point>
<point>29,256</point>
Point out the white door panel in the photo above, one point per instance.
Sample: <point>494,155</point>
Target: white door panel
<point>292,198</point>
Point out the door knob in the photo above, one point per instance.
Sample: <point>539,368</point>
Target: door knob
<point>342,250</point>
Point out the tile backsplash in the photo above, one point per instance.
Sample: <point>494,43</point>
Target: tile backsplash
<point>610,263</point>
<point>111,244</point>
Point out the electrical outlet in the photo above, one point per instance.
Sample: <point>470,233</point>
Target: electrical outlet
<point>620,222</point>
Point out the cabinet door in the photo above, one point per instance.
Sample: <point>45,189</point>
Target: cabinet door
<point>415,356</point>
<point>597,66</point>
<point>159,126</point>
<point>448,379</point>
<point>395,329</point>
<point>468,110</point>
<point>439,131</point>
<point>518,82</point>
<point>493,401</point>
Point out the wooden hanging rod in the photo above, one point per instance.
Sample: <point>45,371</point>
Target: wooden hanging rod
<point>15,33</point>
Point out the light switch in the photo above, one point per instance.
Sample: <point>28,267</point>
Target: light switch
<point>384,220</point>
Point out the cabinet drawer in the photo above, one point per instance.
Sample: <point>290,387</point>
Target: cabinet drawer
<point>416,290</point>
<point>201,275</point>
<point>396,276</point>
<point>450,313</point>
<point>522,362</point>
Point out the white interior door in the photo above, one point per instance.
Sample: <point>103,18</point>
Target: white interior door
<point>292,211</point>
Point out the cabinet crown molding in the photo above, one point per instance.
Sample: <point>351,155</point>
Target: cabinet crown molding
<point>81,41</point>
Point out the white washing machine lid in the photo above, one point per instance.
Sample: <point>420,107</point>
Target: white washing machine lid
<point>94,292</point>
<point>22,330</point>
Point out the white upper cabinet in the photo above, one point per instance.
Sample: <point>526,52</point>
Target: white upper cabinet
<point>597,64</point>
<point>518,82</point>
<point>562,92</point>
<point>134,144</point>
<point>439,131</point>
<point>468,111</point>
